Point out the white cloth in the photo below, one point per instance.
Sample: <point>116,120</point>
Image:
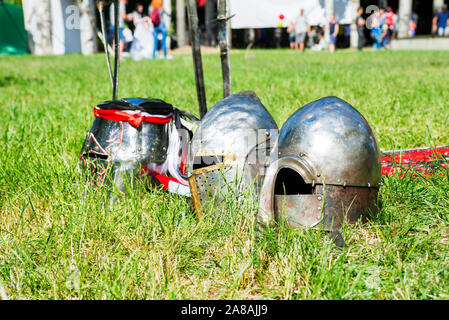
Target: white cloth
<point>128,35</point>
<point>142,46</point>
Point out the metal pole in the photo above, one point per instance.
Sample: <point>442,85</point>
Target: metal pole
<point>196,52</point>
<point>100,4</point>
<point>117,48</point>
<point>224,47</point>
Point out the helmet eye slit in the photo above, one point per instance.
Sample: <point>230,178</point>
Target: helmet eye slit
<point>290,182</point>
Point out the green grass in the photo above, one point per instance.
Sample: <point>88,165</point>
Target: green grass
<point>59,241</point>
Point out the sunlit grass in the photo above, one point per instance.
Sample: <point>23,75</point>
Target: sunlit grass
<point>60,239</point>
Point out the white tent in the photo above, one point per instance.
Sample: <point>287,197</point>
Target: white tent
<point>265,13</point>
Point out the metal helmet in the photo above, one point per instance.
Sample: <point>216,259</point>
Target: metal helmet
<point>131,139</point>
<point>324,170</point>
<point>230,147</point>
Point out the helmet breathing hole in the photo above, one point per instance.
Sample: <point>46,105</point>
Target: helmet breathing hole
<point>290,182</point>
<point>206,161</point>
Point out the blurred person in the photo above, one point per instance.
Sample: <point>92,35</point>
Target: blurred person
<point>292,35</point>
<point>346,34</point>
<point>360,23</point>
<point>382,16</point>
<point>123,17</point>
<point>302,28</point>
<point>322,42</point>
<point>278,31</point>
<point>440,22</point>
<point>376,31</point>
<point>156,14</point>
<point>396,25</point>
<point>250,37</point>
<point>333,32</point>
<point>313,37</point>
<point>413,25</point>
<point>389,22</point>
<point>139,15</point>
<point>142,46</point>
<point>383,26</point>
<point>318,42</point>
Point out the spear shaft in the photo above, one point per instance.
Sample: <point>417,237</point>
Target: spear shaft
<point>196,52</point>
<point>101,5</point>
<point>224,47</point>
<point>117,48</point>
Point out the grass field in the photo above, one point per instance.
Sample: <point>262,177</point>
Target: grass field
<point>57,240</point>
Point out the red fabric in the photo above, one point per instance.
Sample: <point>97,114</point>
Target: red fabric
<point>200,3</point>
<point>182,167</point>
<point>133,119</point>
<point>389,19</point>
<point>418,160</point>
<point>165,180</point>
<point>155,17</point>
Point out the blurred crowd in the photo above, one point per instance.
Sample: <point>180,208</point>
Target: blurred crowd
<point>380,25</point>
<point>383,25</point>
<point>149,33</point>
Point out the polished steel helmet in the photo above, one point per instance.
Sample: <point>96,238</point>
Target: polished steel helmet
<point>230,148</point>
<point>324,170</point>
<point>134,138</point>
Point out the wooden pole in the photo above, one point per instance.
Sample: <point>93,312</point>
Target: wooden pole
<point>224,47</point>
<point>196,52</point>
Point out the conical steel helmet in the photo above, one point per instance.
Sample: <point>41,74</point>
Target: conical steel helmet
<point>324,170</point>
<point>230,148</point>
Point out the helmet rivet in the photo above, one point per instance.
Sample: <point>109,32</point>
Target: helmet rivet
<point>279,153</point>
<point>319,198</point>
<point>344,184</point>
<point>267,133</point>
<point>318,174</point>
<point>301,154</point>
<point>369,185</point>
<point>319,208</point>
